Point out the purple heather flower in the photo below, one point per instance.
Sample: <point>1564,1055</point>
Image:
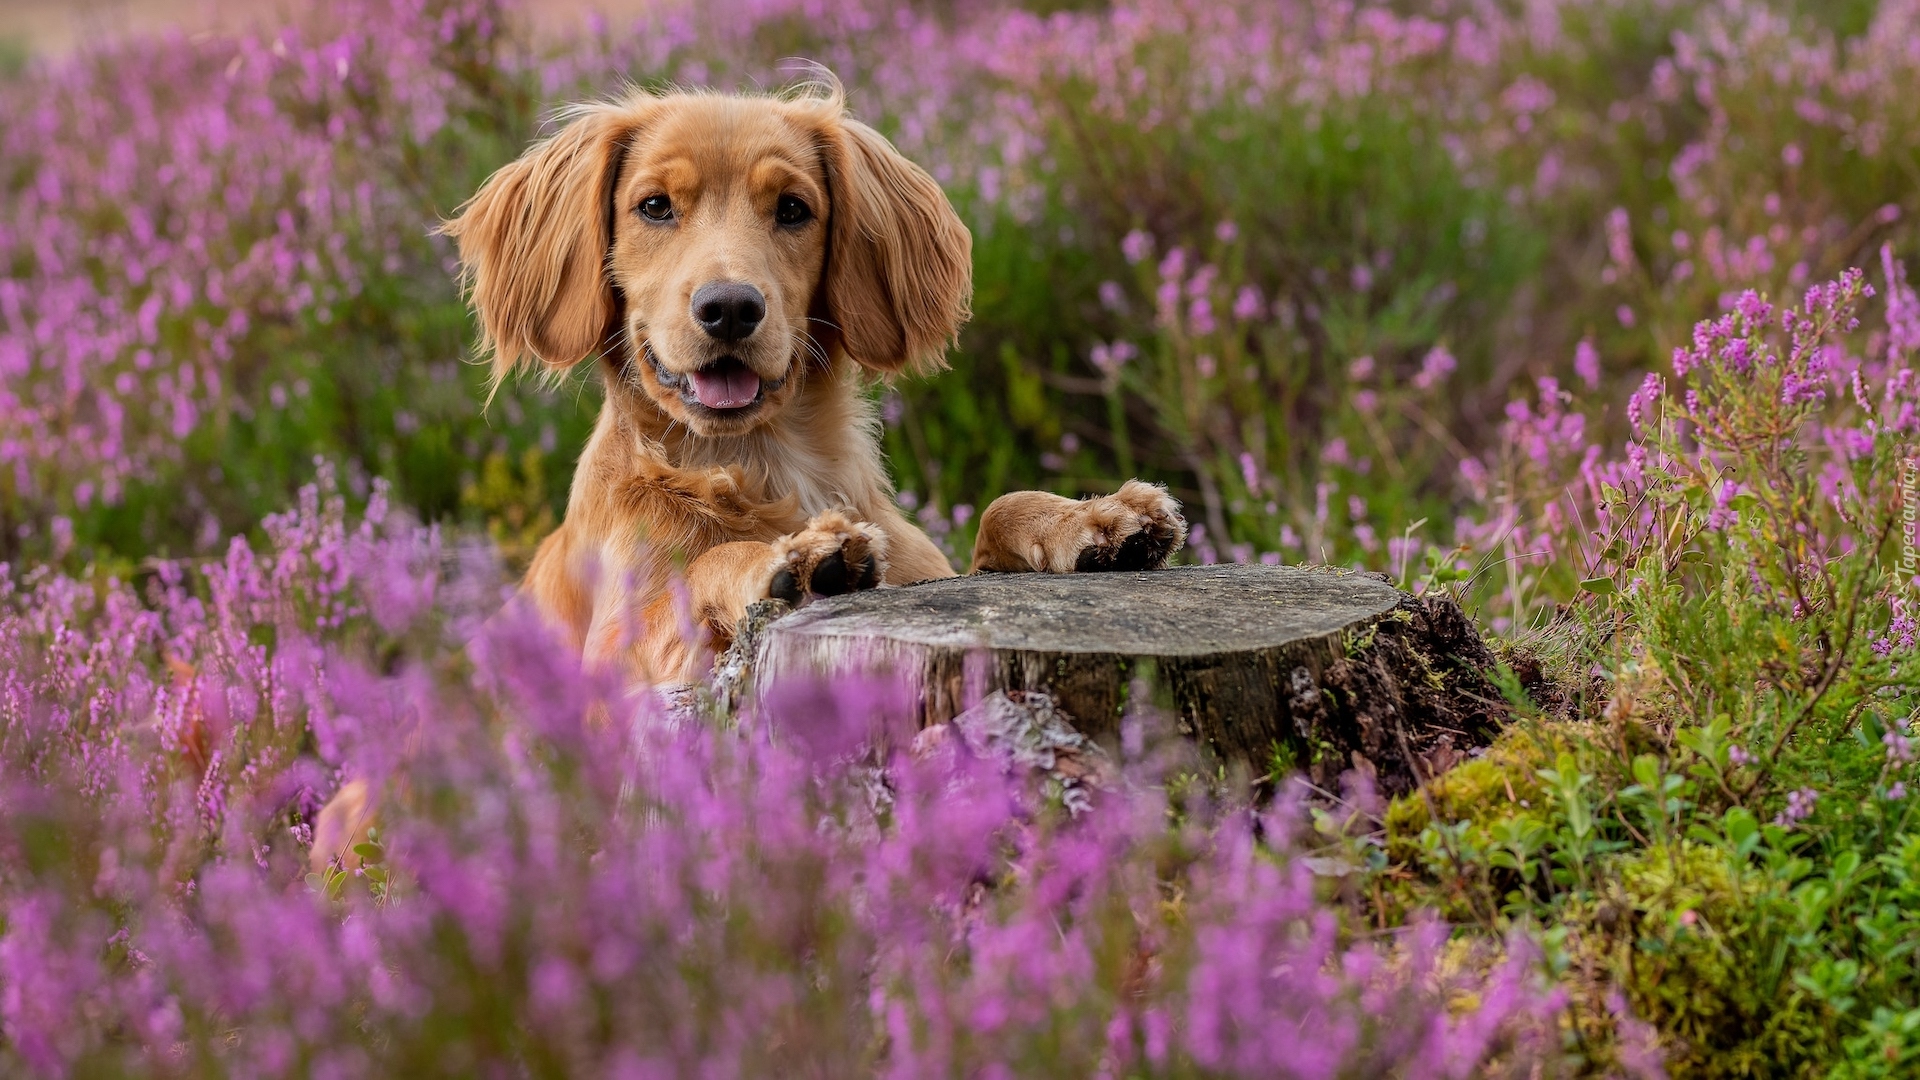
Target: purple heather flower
<point>1799,806</point>
<point>1200,315</point>
<point>1756,311</point>
<point>1651,388</point>
<point>1619,238</point>
<point>1899,747</point>
<point>1434,368</point>
<point>1586,363</point>
<point>1110,358</point>
<point>1173,268</point>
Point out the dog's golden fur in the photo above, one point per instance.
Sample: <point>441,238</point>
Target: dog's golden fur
<point>564,262</point>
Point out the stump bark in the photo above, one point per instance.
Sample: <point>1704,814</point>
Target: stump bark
<point>1268,667</point>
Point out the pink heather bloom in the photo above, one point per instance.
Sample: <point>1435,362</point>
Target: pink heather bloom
<point>1903,308</point>
<point>1166,300</point>
<point>1723,514</point>
<point>1360,369</point>
<point>1799,806</point>
<point>1737,756</point>
<point>1900,630</point>
<point>1896,791</point>
<point>1434,368</point>
<point>1249,471</point>
<point>1619,238</point>
<point>1246,304</point>
<point>1173,268</point>
<point>1755,310</point>
<point>1136,246</point>
<point>1200,316</point>
<point>1110,358</point>
<point>1226,232</point>
<point>1586,363</point>
<point>1637,1043</point>
<point>1899,748</point>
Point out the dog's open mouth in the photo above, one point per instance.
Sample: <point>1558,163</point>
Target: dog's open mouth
<point>725,385</point>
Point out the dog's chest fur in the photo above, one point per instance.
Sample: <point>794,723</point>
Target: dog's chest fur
<point>836,474</point>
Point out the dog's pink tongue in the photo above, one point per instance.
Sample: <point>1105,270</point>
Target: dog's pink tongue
<point>728,387</point>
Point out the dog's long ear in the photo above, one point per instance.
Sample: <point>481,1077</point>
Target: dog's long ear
<point>533,245</point>
<point>899,276</point>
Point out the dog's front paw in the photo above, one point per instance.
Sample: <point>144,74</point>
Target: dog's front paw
<point>834,554</point>
<point>1138,527</point>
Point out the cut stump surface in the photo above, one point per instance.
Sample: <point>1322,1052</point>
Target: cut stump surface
<point>1311,668</point>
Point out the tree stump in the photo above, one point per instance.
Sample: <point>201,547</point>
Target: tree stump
<point>1272,668</point>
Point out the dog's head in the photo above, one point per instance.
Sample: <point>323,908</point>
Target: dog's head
<point>727,241</point>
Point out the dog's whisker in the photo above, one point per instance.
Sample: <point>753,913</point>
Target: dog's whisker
<point>815,349</point>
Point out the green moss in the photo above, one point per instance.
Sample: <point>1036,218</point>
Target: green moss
<point>1697,940</point>
<point>1497,786</point>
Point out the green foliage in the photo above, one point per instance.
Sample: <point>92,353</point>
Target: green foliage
<point>1728,840</point>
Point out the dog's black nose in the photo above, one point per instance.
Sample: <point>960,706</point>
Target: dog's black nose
<point>729,310</point>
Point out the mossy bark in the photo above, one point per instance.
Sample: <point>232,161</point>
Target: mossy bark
<point>1311,668</point>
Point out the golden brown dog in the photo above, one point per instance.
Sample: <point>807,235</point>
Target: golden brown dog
<point>739,264</point>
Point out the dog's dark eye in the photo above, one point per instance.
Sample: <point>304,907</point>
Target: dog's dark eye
<point>791,211</point>
<point>655,208</point>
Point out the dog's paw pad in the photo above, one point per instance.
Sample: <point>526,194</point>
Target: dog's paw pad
<point>830,575</point>
<point>785,586</point>
<point>1137,528</point>
<point>833,555</point>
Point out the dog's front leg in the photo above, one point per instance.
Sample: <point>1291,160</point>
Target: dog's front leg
<point>1136,528</point>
